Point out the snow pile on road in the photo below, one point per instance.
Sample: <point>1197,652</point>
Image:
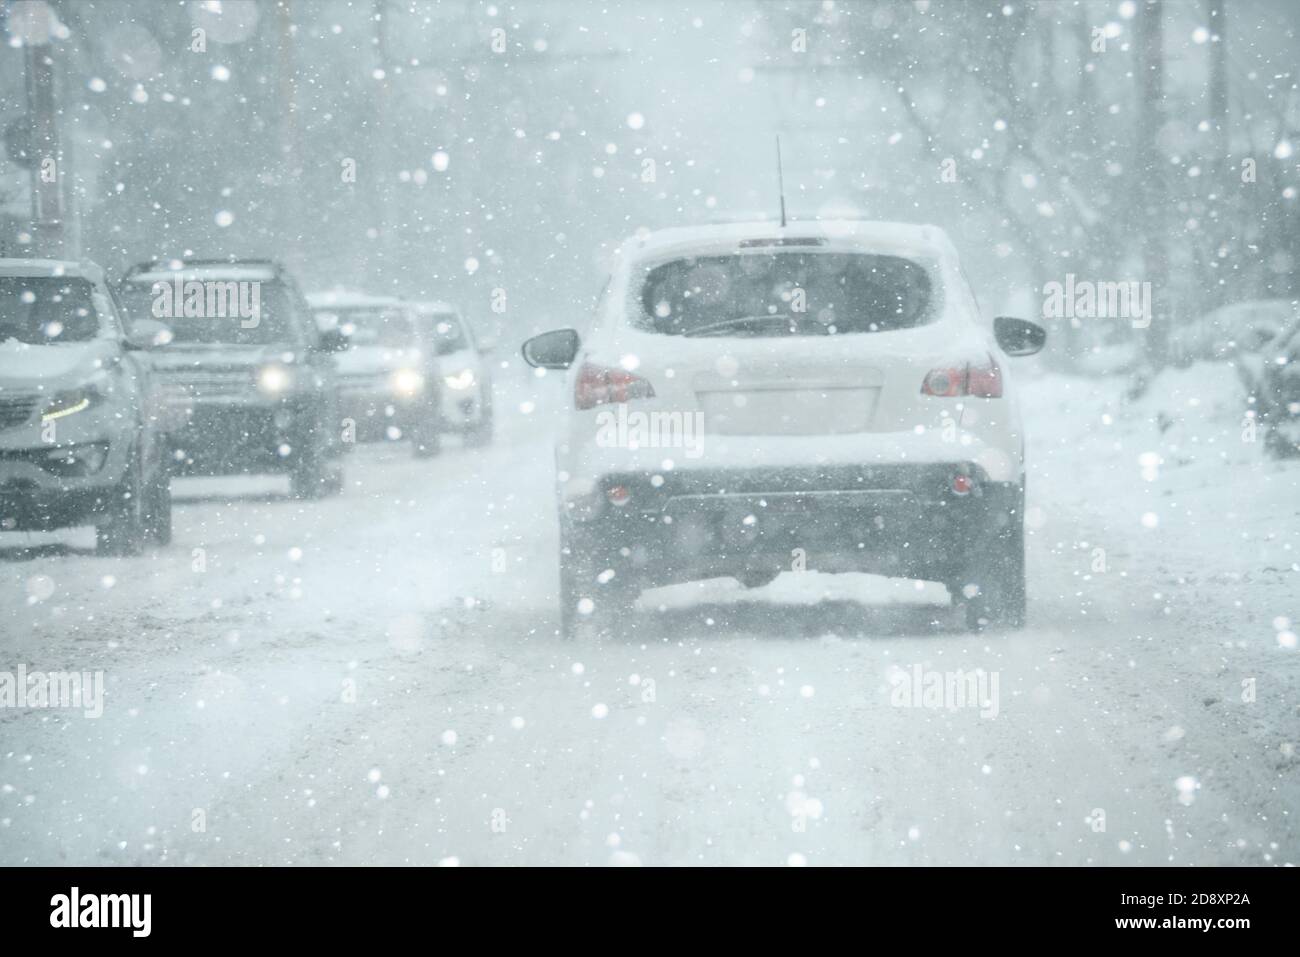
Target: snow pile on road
<point>1197,418</point>
<point>1176,477</point>
<point>1200,413</point>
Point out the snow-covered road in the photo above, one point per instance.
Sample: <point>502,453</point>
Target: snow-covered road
<point>377,678</point>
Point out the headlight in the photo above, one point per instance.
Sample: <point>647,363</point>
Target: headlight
<point>71,402</point>
<point>464,379</point>
<point>407,382</point>
<point>275,380</point>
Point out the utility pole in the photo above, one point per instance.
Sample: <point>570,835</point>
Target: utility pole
<point>289,227</point>
<point>1219,77</point>
<point>1151,169</point>
<point>381,173</point>
<point>36,30</point>
<point>1220,166</point>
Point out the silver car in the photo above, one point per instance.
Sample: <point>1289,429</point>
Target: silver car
<point>82,438</point>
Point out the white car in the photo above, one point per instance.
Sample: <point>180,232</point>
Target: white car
<point>756,398</point>
<point>83,417</point>
<point>466,375</point>
<point>388,382</point>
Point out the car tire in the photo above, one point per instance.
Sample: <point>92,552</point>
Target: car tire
<point>426,441</point>
<point>480,433</point>
<point>758,577</point>
<point>125,529</point>
<point>159,508</point>
<point>334,481</point>
<point>1277,445</point>
<point>588,606</point>
<point>314,477</point>
<point>994,592</point>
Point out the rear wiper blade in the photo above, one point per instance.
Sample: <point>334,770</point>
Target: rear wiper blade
<point>741,321</point>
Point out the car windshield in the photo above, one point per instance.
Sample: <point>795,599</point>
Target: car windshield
<point>47,309</point>
<point>215,311</point>
<point>369,325</point>
<point>785,293</point>
<point>448,335</point>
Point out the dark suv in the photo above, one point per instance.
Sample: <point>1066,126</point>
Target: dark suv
<point>81,424</point>
<point>255,377</point>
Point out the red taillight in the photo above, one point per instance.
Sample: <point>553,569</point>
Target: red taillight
<point>982,379</point>
<point>618,495</point>
<point>598,385</point>
<point>945,382</point>
<point>962,484</point>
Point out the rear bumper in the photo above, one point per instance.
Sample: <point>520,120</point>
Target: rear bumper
<point>902,520</point>
<point>994,444</point>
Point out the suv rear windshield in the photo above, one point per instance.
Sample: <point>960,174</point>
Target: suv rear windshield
<point>40,310</point>
<point>786,293</point>
<point>250,313</point>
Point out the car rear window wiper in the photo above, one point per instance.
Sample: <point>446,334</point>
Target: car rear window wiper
<point>740,322</point>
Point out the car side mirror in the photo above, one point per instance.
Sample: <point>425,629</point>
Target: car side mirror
<point>332,340</point>
<point>145,334</point>
<point>1018,337</point>
<point>552,350</point>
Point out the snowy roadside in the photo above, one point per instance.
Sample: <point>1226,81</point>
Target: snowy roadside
<point>1185,542</point>
<point>395,692</point>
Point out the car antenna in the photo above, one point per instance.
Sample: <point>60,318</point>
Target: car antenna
<point>780,179</point>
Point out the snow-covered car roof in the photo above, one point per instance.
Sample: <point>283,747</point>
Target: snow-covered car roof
<point>51,267</point>
<point>223,272</point>
<point>348,299</point>
<point>904,239</point>
<point>433,308</point>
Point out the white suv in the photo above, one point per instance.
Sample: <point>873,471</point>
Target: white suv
<point>466,374</point>
<point>756,398</point>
